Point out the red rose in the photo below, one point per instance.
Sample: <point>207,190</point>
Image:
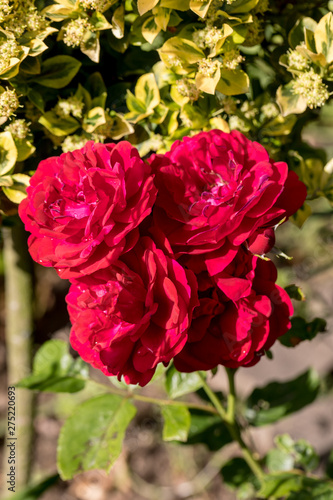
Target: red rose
<point>241,314</point>
<point>219,190</point>
<point>83,207</point>
<point>130,317</point>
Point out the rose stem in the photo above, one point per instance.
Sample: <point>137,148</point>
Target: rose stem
<point>18,331</point>
<point>156,401</point>
<point>229,418</point>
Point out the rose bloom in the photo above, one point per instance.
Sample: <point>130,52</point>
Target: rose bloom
<point>241,314</point>
<point>135,314</point>
<point>218,190</point>
<point>83,207</point>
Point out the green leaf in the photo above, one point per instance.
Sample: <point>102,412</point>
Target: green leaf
<point>178,384</point>
<point>58,71</point>
<point>236,473</point>
<point>163,75</point>
<point>150,30</point>
<point>162,17</point>
<point>17,191</point>
<point>310,41</point>
<point>54,370</point>
<point>278,399</point>
<point>181,5</point>
<point>58,12</point>
<point>146,5</point>
<point>6,181</point>
<point>219,123</point>
<point>146,91</point>
<point>193,116</point>
<point>233,82</point>
<point>36,99</point>
<point>208,430</point>
<point>277,485</point>
<point>93,119</point>
<point>8,153</point>
<point>118,127</point>
<point>200,8</point>
<point>186,50</point>
<point>95,85</point>
<point>31,66</point>
<point>37,46</point>
<point>160,113</point>
<point>83,95</point>
<point>295,292</point>
<point>135,105</point>
<point>305,455</point>
<point>301,215</point>
<point>322,493</point>
<point>59,126</point>
<point>92,437</point>
<point>323,36</point>
<point>147,97</point>
<point>117,44</point>
<point>91,46</point>
<point>24,149</point>
<point>99,21</point>
<point>35,492</point>
<point>241,6</point>
<point>208,84</point>
<point>289,102</point>
<point>279,460</point>
<point>177,421</point>
<point>118,22</point>
<point>178,98</point>
<point>13,66</point>
<point>296,35</point>
<point>302,330</point>
<point>280,125</point>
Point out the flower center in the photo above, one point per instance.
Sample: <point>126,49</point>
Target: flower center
<point>220,188</point>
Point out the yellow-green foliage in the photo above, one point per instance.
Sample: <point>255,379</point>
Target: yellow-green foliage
<point>153,71</point>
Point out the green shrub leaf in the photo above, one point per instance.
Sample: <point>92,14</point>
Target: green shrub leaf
<point>8,153</point>
<point>279,399</point>
<point>54,370</point>
<point>233,82</point>
<point>237,473</point>
<point>92,437</point>
<point>302,330</point>
<point>209,430</point>
<point>57,125</point>
<point>178,384</point>
<point>177,421</point>
<point>58,71</point>
<point>280,484</point>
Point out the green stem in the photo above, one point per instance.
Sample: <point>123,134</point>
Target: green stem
<point>229,418</point>
<point>157,401</point>
<point>214,399</point>
<point>231,396</point>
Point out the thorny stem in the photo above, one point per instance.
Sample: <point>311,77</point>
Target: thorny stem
<point>229,418</point>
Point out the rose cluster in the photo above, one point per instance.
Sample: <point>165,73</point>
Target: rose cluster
<point>165,256</point>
